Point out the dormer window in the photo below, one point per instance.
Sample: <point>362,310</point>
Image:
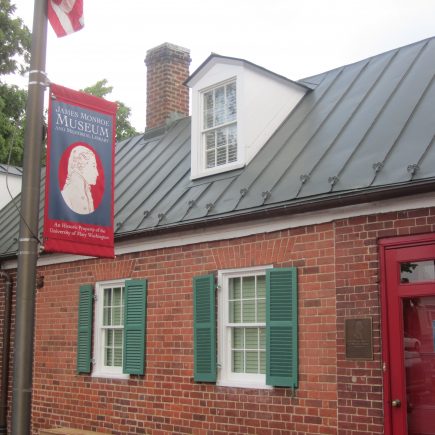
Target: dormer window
<point>236,108</point>
<point>219,134</point>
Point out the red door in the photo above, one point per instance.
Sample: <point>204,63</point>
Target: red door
<point>408,304</point>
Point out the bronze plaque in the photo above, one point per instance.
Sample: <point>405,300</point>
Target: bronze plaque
<point>358,338</point>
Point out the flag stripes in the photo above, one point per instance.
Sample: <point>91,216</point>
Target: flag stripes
<point>65,16</point>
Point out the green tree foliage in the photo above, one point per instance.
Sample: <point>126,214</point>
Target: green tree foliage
<point>15,39</point>
<point>124,129</point>
<point>12,123</point>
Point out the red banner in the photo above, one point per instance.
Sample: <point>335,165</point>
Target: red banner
<point>79,181</point>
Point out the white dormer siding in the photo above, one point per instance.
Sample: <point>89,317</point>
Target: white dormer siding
<point>221,139</point>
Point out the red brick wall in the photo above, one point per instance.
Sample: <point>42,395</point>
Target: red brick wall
<point>338,278</point>
<point>359,384</point>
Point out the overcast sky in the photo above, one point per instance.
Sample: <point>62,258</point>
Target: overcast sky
<point>292,38</point>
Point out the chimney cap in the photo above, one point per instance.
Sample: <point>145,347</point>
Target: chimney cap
<point>167,49</point>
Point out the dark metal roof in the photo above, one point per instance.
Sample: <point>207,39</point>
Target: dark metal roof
<point>11,170</point>
<point>366,131</point>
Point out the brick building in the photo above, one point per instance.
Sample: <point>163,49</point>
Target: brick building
<point>276,249</point>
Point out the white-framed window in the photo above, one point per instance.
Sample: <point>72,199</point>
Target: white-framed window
<point>242,328</point>
<point>109,329</point>
<point>219,126</point>
<point>116,321</point>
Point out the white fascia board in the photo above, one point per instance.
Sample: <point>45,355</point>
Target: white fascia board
<point>248,228</point>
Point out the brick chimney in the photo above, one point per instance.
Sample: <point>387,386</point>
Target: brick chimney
<point>167,96</point>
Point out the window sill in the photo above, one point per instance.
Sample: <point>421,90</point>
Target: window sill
<point>241,384</point>
<point>110,375</point>
<point>215,170</point>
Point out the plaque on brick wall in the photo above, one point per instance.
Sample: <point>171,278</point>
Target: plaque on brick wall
<point>358,338</point>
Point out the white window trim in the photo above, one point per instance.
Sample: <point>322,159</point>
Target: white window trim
<point>199,168</point>
<point>225,376</point>
<point>98,369</point>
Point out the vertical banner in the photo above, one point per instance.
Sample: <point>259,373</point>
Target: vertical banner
<point>79,181</point>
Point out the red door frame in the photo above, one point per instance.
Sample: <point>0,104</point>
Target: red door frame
<point>399,244</point>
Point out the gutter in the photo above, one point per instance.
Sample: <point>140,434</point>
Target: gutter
<point>5,354</point>
<point>303,205</point>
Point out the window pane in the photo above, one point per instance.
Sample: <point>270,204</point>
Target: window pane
<point>117,351</point>
<point>108,352</point>
<point>106,316</point>
<point>252,362</point>
<point>249,287</point>
<point>238,340</point>
<point>261,310</point>
<point>109,337</point>
<point>221,156</point>
<point>208,100</point>
<point>221,137</point>
<point>262,333</point>
<point>232,135</point>
<point>235,288</point>
<point>235,311</point>
<point>232,153</point>
<point>248,311</point>
<point>107,297</point>
<point>117,357</point>
<point>219,105</point>
<point>261,301</point>
<point>231,102</point>
<point>417,271</point>
<point>235,305</point>
<point>108,357</point>
<point>208,110</point>
<point>251,335</point>
<point>117,296</point>
<point>261,286</point>
<point>210,140</point>
<point>117,337</point>
<point>232,143</point>
<point>238,362</point>
<point>211,157</point>
<point>117,316</point>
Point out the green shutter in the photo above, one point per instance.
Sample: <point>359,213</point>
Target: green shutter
<point>204,328</point>
<point>134,327</point>
<point>84,329</point>
<point>281,327</point>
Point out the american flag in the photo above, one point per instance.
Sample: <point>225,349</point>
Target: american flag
<point>65,16</point>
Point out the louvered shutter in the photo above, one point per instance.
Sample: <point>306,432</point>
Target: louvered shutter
<point>281,327</point>
<point>204,322</point>
<point>134,327</point>
<point>84,335</point>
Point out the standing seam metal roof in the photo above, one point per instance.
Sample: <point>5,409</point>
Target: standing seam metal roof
<point>365,127</point>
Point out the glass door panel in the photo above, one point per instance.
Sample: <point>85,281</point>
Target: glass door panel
<point>419,363</point>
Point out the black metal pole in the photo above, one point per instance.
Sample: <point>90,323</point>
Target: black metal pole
<point>28,236</point>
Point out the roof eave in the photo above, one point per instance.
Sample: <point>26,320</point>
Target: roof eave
<point>304,205</point>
